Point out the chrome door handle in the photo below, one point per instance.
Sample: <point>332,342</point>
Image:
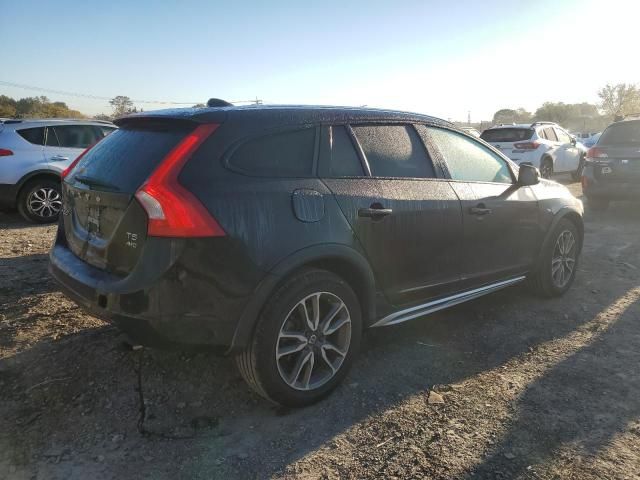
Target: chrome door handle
<point>480,210</point>
<point>374,212</point>
<point>59,158</point>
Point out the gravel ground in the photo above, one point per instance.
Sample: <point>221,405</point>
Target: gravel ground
<point>507,386</point>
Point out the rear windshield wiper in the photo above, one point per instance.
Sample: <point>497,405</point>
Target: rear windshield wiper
<point>94,182</point>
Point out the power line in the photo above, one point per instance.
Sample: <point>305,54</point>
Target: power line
<point>97,97</point>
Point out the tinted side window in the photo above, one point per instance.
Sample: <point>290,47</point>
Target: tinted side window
<point>33,135</point>
<point>468,160</point>
<point>394,151</point>
<point>285,154</point>
<point>550,134</point>
<point>75,136</point>
<point>343,159</point>
<point>52,139</point>
<point>563,137</point>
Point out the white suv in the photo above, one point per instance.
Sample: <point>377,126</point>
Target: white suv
<point>545,145</point>
<point>33,154</point>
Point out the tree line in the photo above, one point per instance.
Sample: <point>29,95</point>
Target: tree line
<point>616,101</point>
<point>42,107</point>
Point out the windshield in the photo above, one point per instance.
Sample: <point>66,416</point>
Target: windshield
<point>507,134</point>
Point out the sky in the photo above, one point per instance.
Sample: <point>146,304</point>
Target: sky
<point>443,58</point>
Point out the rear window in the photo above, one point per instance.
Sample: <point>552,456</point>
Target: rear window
<point>33,135</point>
<point>623,133</point>
<point>507,134</point>
<point>124,159</point>
<point>283,154</point>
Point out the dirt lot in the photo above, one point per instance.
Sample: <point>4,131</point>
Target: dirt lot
<point>531,388</point>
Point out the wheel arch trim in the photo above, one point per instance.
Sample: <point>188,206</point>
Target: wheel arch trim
<point>313,256</point>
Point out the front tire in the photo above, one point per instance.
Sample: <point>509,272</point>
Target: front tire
<point>40,200</point>
<point>305,341</point>
<point>546,168</point>
<point>558,264</point>
<point>577,175</point>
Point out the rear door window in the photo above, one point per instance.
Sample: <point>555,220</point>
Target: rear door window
<point>126,158</point>
<point>33,135</point>
<point>75,136</point>
<point>507,134</point>
<point>394,151</point>
<point>468,160</point>
<point>282,154</point>
<point>338,154</point>
<point>52,139</point>
<point>550,134</point>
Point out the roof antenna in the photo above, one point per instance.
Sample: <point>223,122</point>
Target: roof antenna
<point>216,102</point>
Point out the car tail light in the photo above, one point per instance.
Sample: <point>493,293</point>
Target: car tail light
<point>596,152</point>
<point>4,152</point>
<point>526,145</point>
<point>65,173</point>
<point>173,211</point>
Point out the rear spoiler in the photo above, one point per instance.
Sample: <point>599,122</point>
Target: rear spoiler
<point>184,116</point>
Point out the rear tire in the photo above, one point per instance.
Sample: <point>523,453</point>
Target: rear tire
<point>40,200</point>
<point>598,204</point>
<point>296,361</point>
<point>558,263</point>
<point>546,168</point>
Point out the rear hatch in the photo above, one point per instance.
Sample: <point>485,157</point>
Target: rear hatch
<point>618,153</point>
<point>103,224</point>
<point>505,138</point>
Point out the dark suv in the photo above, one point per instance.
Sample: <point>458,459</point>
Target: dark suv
<point>278,234</point>
<point>612,167</point>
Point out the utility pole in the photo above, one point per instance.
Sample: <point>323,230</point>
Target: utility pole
<point>469,117</point>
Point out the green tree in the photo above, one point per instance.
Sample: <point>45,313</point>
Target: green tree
<point>7,107</point>
<point>121,105</point>
<point>618,100</point>
<point>507,115</point>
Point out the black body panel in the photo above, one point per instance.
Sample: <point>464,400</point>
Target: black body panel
<point>210,291</point>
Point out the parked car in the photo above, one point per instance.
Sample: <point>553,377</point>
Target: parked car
<point>471,131</point>
<point>592,140</point>
<point>33,155</point>
<point>612,167</point>
<point>545,145</point>
<point>277,234</point>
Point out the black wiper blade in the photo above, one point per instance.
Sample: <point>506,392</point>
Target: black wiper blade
<point>94,182</point>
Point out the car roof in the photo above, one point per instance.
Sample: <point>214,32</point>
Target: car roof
<point>285,114</point>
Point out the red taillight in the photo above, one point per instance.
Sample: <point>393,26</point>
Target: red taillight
<point>67,170</point>
<point>526,146</point>
<point>596,152</point>
<point>4,152</point>
<point>173,211</point>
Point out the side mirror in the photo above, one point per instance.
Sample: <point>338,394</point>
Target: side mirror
<point>528,175</point>
<point>574,141</point>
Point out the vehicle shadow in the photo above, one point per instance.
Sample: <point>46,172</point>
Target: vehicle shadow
<point>85,389</point>
<point>24,275</point>
<point>11,220</point>
<point>598,401</point>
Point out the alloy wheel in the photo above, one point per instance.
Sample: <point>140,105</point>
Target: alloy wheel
<point>313,341</point>
<point>44,202</point>
<point>563,260</point>
<point>546,170</point>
